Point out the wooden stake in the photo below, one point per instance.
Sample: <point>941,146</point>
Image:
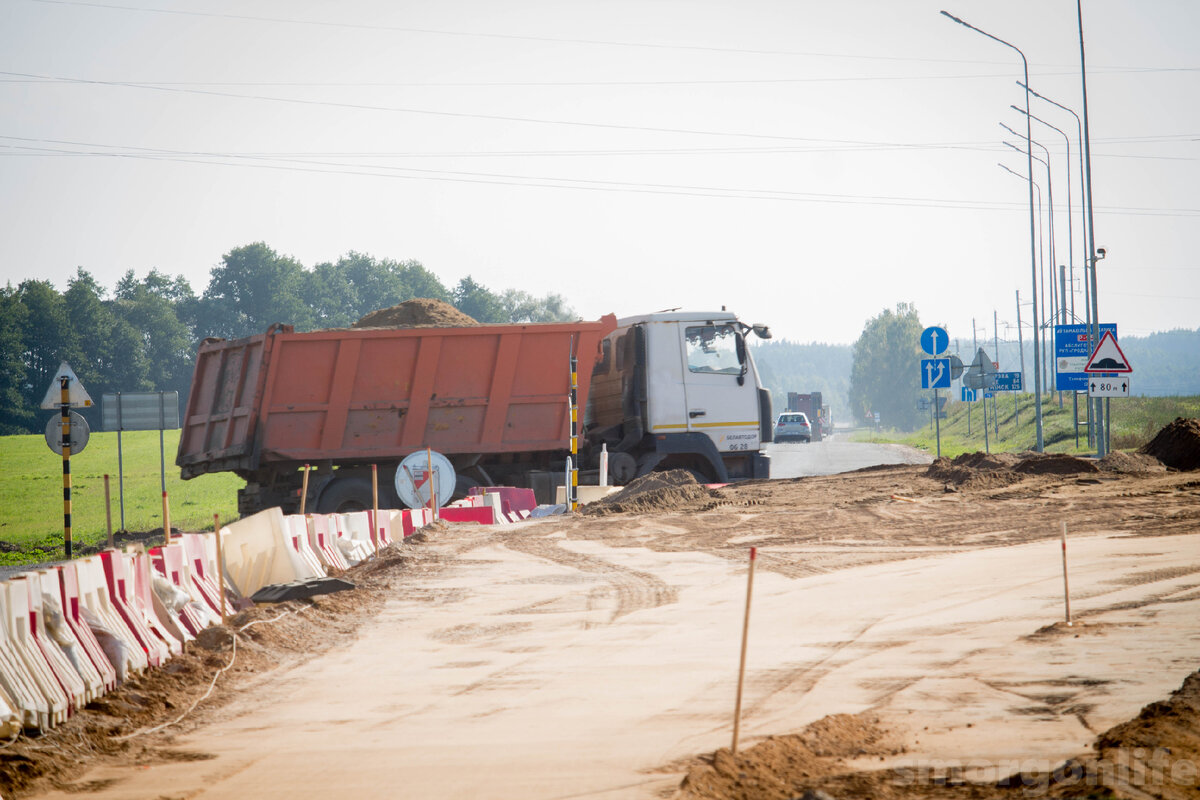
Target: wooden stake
<point>220,568</point>
<point>1066,588</point>
<point>108,511</point>
<point>375,530</point>
<point>304,490</point>
<point>737,710</point>
<point>166,518</point>
<point>429,480</point>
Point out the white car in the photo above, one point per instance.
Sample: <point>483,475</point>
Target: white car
<point>793,425</point>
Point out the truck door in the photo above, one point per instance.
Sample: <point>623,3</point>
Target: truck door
<point>719,386</point>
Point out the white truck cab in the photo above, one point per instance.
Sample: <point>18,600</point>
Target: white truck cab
<point>680,390</point>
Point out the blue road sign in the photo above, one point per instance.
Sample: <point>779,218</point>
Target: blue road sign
<point>1072,349</point>
<point>1007,382</point>
<point>935,373</point>
<point>934,340</point>
<point>968,395</point>
<point>989,394</point>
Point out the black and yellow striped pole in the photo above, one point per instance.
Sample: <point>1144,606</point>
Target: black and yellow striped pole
<point>573,489</point>
<point>65,398</point>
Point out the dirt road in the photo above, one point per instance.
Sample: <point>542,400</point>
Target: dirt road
<point>595,656</point>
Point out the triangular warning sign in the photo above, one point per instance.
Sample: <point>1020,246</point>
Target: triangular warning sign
<point>1108,356</point>
<point>77,396</point>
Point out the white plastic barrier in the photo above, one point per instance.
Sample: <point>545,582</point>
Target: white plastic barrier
<point>323,538</point>
<point>72,605</point>
<point>258,553</point>
<point>39,697</point>
<point>201,549</point>
<point>70,633</point>
<point>94,596</point>
<point>120,593</point>
<point>183,602</point>
<point>354,548</point>
<point>53,620</point>
<point>304,560</point>
<point>68,678</point>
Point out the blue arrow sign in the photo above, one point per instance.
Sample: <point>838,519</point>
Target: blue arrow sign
<point>934,340</point>
<point>935,373</point>
<point>968,395</point>
<point>1008,382</point>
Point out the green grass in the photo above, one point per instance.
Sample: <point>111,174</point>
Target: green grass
<point>31,493</point>
<point>1135,421</point>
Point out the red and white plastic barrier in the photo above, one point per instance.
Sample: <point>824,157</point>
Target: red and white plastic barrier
<point>74,631</point>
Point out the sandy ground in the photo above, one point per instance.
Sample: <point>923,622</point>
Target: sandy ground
<point>596,656</point>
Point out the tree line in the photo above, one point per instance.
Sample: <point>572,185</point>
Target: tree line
<point>143,335</point>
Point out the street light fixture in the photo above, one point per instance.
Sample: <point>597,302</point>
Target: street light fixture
<point>1037,377</point>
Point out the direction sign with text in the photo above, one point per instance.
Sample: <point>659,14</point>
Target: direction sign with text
<point>1008,382</point>
<point>1072,348</point>
<point>935,373</point>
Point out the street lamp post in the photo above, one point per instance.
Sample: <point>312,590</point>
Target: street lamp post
<point>1041,324</point>
<point>1089,261</point>
<point>1070,259</point>
<point>1037,377</point>
<point>1101,444</point>
<point>1053,249</point>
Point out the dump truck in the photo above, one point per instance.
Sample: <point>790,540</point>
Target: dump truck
<point>674,391</point>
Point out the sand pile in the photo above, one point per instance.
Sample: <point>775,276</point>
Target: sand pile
<point>976,470</point>
<point>1053,464</point>
<point>988,471</point>
<point>672,490</point>
<point>423,312</point>
<point>783,767</point>
<point>1177,445</point>
<point>1130,463</point>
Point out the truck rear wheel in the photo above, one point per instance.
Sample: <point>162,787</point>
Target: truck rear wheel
<point>346,495</point>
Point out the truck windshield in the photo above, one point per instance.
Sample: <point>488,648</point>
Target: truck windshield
<point>713,349</point>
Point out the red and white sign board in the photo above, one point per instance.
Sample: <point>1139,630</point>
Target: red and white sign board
<point>1108,357</point>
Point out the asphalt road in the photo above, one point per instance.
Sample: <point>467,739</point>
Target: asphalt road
<point>831,456</point>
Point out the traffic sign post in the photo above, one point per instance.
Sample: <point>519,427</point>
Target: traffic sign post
<point>935,373</point>
<point>968,395</point>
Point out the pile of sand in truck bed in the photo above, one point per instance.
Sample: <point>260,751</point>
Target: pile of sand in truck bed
<point>422,312</point>
<point>672,490</point>
<point>1177,445</point>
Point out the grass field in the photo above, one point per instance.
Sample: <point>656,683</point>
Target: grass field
<point>1134,422</point>
<point>31,497</point>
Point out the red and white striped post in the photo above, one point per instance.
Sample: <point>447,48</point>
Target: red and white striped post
<point>1066,587</point>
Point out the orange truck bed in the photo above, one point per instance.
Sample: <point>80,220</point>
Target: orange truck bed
<point>361,395</point>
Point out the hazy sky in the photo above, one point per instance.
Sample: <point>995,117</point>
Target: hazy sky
<point>805,164</point>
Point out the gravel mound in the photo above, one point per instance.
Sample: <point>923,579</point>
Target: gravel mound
<point>1177,445</point>
<point>423,312</point>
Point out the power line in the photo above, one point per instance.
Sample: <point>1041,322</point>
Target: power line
<point>506,36</point>
<point>376,170</point>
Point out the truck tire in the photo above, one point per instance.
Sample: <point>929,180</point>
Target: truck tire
<point>345,495</point>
